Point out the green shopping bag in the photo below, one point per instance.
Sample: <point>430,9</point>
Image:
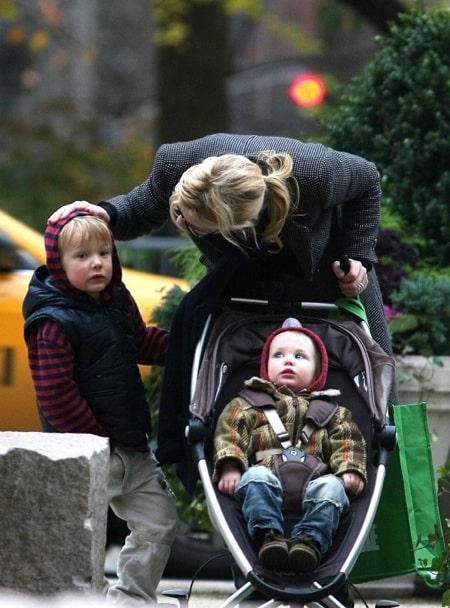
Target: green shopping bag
<point>408,509</point>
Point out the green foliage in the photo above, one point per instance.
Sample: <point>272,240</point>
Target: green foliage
<point>40,171</point>
<point>173,27</point>
<point>397,114</point>
<point>187,261</point>
<point>424,325</point>
<point>191,508</point>
<point>162,314</point>
<point>441,563</point>
<point>443,481</point>
<point>396,259</point>
<point>171,17</point>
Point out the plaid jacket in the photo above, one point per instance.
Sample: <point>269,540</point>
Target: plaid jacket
<point>243,430</point>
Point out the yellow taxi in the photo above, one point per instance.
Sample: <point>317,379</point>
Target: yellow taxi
<point>21,251</point>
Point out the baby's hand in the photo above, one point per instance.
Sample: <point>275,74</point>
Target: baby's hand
<point>353,483</point>
<point>229,479</point>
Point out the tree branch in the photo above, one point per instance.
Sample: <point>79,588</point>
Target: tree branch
<point>380,13</point>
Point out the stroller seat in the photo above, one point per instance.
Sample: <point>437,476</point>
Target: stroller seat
<point>228,354</point>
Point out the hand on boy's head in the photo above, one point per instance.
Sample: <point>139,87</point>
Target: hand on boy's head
<point>229,479</point>
<point>66,210</point>
<point>353,483</point>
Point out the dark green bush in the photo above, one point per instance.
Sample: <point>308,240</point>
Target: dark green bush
<point>396,258</point>
<point>191,508</point>
<point>397,114</point>
<point>424,325</point>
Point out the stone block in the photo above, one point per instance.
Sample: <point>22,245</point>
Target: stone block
<point>53,506</point>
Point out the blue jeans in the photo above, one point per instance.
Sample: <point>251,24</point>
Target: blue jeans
<point>260,496</point>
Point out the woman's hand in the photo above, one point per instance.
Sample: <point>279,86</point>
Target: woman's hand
<point>353,282</point>
<point>66,210</point>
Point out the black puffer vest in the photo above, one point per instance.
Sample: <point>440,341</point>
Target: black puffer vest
<point>106,368</point>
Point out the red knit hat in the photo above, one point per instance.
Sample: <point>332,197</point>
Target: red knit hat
<point>295,325</point>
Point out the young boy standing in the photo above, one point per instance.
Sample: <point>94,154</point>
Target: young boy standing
<point>293,371</point>
<point>85,338</point>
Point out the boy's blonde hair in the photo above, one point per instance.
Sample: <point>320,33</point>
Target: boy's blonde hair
<point>84,227</point>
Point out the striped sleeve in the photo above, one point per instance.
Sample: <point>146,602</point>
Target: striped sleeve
<point>51,362</point>
<point>233,435</point>
<point>151,341</point>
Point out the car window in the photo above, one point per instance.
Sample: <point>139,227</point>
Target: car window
<point>13,258</point>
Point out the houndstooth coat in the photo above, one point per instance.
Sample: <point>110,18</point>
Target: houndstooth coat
<point>338,214</point>
<point>339,211</point>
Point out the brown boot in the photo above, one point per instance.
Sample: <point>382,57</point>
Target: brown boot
<point>304,554</point>
<point>274,551</point>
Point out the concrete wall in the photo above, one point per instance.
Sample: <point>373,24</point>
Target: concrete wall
<point>53,507</point>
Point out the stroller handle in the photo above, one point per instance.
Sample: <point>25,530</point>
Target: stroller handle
<point>304,305</point>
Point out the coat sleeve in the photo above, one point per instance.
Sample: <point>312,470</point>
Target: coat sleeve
<point>232,436</point>
<point>146,207</point>
<point>151,341</point>
<point>329,178</point>
<point>347,445</point>
<point>354,183</point>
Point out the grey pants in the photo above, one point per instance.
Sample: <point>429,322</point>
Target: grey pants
<point>139,494</point>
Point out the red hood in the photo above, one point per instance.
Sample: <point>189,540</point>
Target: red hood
<point>55,268</point>
<point>319,382</point>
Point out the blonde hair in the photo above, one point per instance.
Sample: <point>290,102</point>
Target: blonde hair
<point>227,194</point>
<point>84,227</point>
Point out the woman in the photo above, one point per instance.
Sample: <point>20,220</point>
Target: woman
<point>263,211</point>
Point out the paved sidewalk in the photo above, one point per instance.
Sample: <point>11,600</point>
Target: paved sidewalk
<point>211,593</point>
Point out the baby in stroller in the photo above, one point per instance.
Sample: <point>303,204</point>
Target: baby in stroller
<point>283,443</point>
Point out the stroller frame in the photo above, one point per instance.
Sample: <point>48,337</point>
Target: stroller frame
<point>307,591</point>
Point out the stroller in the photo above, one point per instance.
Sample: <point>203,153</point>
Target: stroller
<point>227,354</point>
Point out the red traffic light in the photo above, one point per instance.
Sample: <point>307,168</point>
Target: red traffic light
<point>307,90</point>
